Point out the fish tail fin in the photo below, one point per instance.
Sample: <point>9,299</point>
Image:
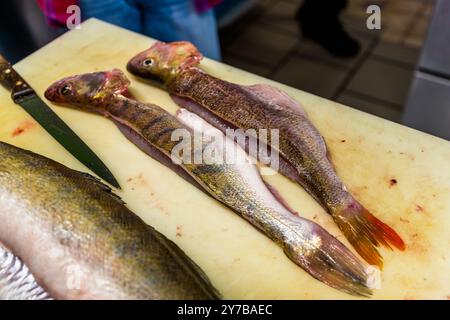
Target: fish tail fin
<point>366,232</point>
<point>329,261</point>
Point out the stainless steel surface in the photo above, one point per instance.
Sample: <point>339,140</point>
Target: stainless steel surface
<point>436,51</point>
<point>429,105</point>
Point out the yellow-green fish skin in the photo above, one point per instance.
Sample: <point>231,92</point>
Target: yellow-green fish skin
<point>81,242</point>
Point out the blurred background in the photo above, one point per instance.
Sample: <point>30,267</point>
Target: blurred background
<point>400,73</point>
<point>269,42</point>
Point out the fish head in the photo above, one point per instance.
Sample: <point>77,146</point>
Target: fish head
<point>164,60</point>
<point>90,91</point>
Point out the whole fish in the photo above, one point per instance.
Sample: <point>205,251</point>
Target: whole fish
<point>236,184</point>
<point>64,235</point>
<point>302,150</point>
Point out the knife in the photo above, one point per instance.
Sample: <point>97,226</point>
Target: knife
<point>23,95</point>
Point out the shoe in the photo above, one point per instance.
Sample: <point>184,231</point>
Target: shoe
<point>328,33</point>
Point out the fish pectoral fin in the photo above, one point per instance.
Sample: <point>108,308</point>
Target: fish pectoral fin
<point>275,96</point>
<point>16,280</point>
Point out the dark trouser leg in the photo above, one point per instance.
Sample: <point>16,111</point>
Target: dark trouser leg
<point>23,29</point>
<point>325,7</point>
<point>319,21</point>
<point>119,12</point>
<point>174,20</point>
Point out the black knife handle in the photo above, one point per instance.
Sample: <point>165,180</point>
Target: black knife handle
<point>13,82</point>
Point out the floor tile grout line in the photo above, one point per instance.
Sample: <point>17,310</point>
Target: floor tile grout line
<point>250,23</point>
<point>257,19</point>
<point>399,64</point>
<point>277,29</point>
<point>372,99</point>
<point>227,52</point>
<point>319,60</point>
<point>293,53</point>
<point>290,1</point>
<point>417,15</point>
<point>283,60</point>
<point>354,69</point>
<point>273,28</point>
<point>246,60</point>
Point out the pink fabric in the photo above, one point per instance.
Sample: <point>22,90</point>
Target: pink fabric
<point>205,5</point>
<point>56,10</point>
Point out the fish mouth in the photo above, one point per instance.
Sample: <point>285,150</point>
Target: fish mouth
<point>132,67</point>
<point>50,94</point>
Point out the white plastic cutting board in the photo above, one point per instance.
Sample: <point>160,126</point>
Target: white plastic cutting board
<point>242,263</point>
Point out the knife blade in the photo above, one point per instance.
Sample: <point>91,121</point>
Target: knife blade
<point>23,95</point>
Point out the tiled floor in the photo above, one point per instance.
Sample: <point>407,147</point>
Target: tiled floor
<point>267,41</point>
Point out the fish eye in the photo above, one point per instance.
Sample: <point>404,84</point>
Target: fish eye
<point>148,62</point>
<point>65,90</point>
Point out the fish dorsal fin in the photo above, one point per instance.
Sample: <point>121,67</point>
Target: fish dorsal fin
<point>104,187</point>
<point>275,96</point>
